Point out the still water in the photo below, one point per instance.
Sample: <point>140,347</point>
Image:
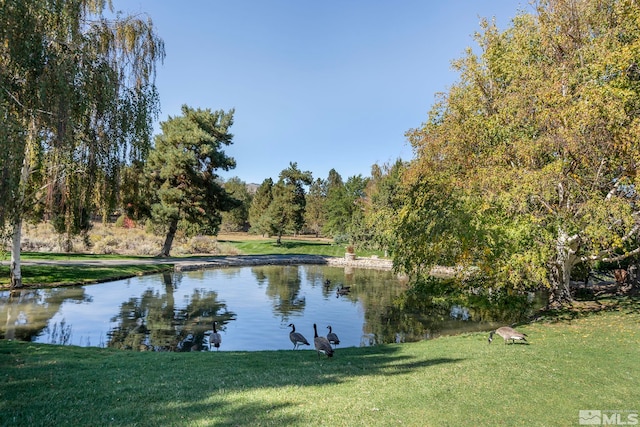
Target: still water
<point>252,307</point>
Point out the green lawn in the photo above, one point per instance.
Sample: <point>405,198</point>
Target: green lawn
<point>590,362</point>
<point>51,275</point>
<point>294,247</point>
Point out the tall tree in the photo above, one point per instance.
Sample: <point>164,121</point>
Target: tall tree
<point>527,167</point>
<point>259,210</point>
<point>237,218</point>
<point>182,171</point>
<point>382,202</point>
<point>355,204</point>
<point>338,211</point>
<point>77,98</point>
<point>315,210</point>
<point>286,211</point>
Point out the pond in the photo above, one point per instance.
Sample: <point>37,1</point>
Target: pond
<point>252,307</point>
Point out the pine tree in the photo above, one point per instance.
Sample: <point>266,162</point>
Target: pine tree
<point>181,170</point>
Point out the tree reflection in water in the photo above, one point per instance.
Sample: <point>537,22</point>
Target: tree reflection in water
<point>153,323</point>
<point>283,288</point>
<point>29,311</point>
<point>437,306</point>
<point>253,307</point>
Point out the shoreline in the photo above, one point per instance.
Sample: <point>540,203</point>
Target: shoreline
<point>200,263</point>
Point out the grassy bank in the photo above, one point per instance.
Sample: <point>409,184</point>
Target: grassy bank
<point>63,275</point>
<point>587,363</point>
<point>292,247</point>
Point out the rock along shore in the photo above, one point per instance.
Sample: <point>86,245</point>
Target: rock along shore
<point>249,260</point>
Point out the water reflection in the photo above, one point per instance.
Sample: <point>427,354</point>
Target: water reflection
<point>252,306</point>
<point>153,321</point>
<point>28,313</point>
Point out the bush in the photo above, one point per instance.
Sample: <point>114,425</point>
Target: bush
<point>203,245</point>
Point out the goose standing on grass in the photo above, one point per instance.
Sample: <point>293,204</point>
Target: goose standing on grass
<point>322,344</point>
<point>507,333</point>
<point>332,338</point>
<point>296,337</point>
<point>215,337</point>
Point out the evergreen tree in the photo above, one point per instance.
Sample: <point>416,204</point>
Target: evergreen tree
<point>286,211</point>
<point>259,210</point>
<point>181,170</point>
<point>237,219</point>
<point>338,212</point>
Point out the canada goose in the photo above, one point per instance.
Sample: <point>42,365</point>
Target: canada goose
<point>508,334</point>
<point>332,338</point>
<point>342,290</point>
<point>215,337</point>
<point>322,344</point>
<point>296,337</point>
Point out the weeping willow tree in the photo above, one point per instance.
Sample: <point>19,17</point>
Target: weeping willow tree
<point>77,99</point>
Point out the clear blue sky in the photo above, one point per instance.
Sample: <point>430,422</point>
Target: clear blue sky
<point>327,84</point>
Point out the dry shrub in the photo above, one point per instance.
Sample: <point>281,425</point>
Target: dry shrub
<point>202,245</point>
<point>227,249</point>
<point>113,239</point>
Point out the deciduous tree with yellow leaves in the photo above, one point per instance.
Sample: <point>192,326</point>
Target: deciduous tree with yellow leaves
<point>528,166</point>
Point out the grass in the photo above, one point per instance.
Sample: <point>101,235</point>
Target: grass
<point>292,247</point>
<point>590,362</point>
<point>576,360</point>
<point>64,275</point>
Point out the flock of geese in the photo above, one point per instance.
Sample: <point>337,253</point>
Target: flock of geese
<point>324,344</point>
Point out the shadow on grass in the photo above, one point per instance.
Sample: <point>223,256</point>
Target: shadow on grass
<point>92,387</point>
<point>585,305</point>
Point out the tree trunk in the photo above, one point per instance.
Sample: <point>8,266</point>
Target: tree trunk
<point>560,274</point>
<point>14,270</point>
<point>168,241</point>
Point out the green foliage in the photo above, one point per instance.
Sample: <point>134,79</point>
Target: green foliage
<point>285,213</point>
<point>316,210</point>
<point>77,99</point>
<point>525,167</point>
<point>181,171</point>
<point>258,212</point>
<point>382,201</point>
<point>337,205</point>
<point>237,218</point>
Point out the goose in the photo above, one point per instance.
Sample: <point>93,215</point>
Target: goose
<point>508,334</point>
<point>322,344</point>
<point>332,338</point>
<point>342,290</point>
<point>215,337</point>
<point>296,337</point>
